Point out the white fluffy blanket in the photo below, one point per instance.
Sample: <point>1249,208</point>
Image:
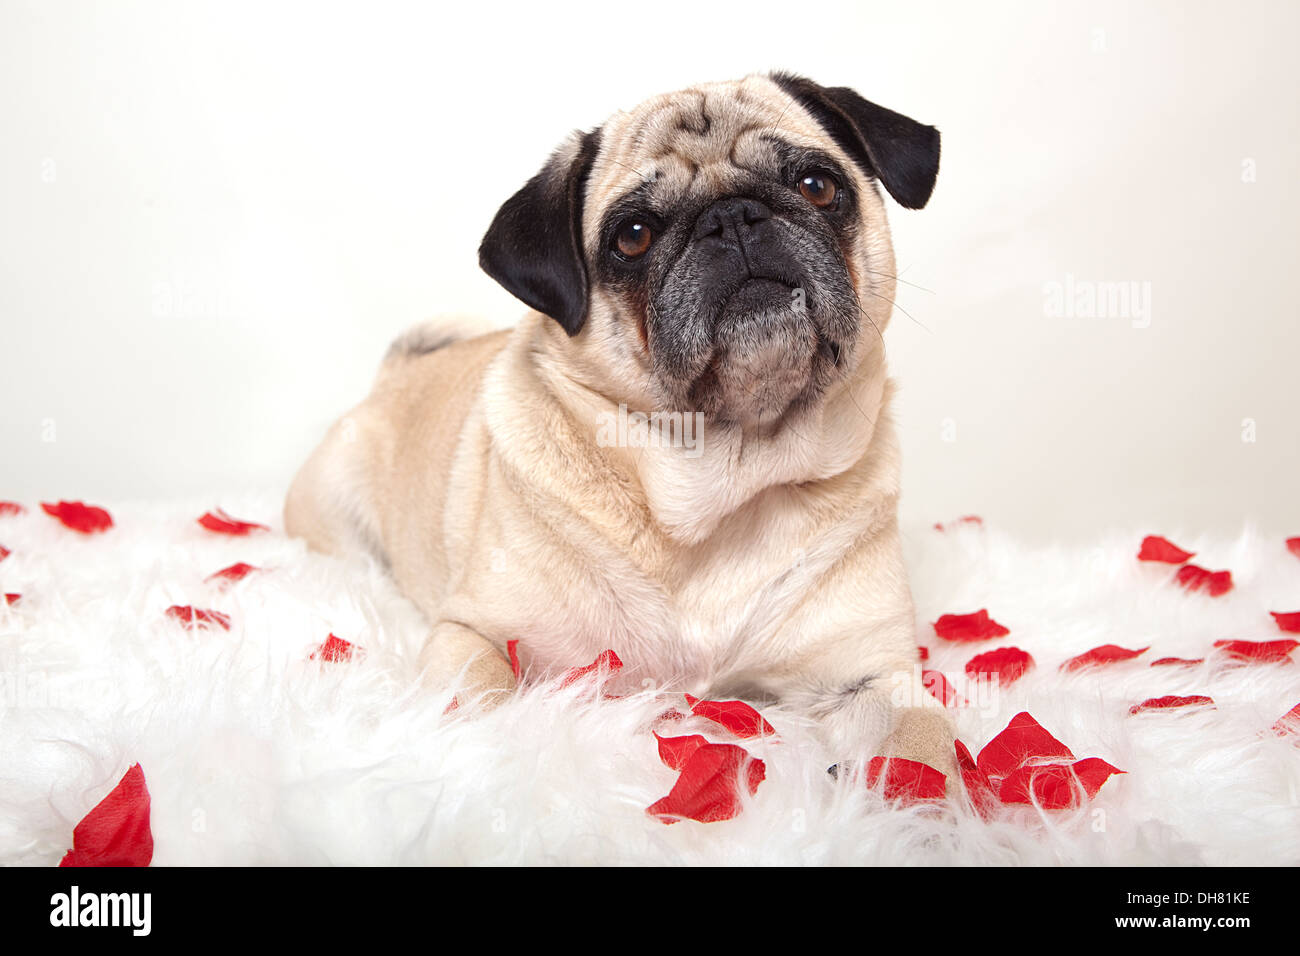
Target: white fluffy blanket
<point>256,754</point>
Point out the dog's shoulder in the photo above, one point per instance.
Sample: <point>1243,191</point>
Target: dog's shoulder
<point>427,363</point>
<point>434,334</point>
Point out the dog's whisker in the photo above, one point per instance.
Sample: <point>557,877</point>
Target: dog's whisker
<point>645,178</point>
<point>853,398</point>
<point>886,275</point>
<point>867,315</point>
<point>898,307</point>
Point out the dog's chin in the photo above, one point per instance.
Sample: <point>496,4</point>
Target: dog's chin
<point>765,350</point>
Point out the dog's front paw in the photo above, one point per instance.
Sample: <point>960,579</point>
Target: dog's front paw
<point>456,655</point>
<point>927,736</point>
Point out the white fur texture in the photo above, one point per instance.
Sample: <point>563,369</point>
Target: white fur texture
<point>256,755</point>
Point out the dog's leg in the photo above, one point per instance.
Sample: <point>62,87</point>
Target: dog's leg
<point>925,734</point>
<point>860,677</point>
<point>330,503</point>
<point>888,714</point>
<point>456,654</point>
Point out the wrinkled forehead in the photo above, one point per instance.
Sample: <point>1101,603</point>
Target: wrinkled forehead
<point>694,141</point>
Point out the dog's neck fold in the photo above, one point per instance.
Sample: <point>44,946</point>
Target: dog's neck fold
<point>693,474</point>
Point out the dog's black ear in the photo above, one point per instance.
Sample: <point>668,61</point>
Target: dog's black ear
<point>902,153</point>
<point>534,245</point>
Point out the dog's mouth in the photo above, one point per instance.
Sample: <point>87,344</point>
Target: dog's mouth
<point>756,295</point>
<point>761,299</point>
<point>764,347</point>
<point>752,336</point>
<point>763,316</point>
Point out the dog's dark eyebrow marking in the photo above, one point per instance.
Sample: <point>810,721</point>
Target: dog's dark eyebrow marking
<point>779,146</point>
<point>795,158</point>
<point>633,200</point>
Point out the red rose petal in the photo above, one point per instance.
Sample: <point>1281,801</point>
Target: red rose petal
<point>906,780</point>
<point>1218,583</point>
<point>1288,723</point>
<point>1288,621</point>
<point>1259,652</point>
<point>1161,703</point>
<point>1093,772</point>
<point>736,715</point>
<point>1156,548</point>
<point>512,650</point>
<point>606,662</point>
<point>116,832</point>
<point>1293,545</point>
<point>222,523</point>
<point>969,627</point>
<point>1056,786</point>
<point>941,690</point>
<point>1006,665</point>
<point>334,649</point>
<point>676,752</point>
<point>1194,578</point>
<point>236,572</point>
<point>80,517</point>
<point>965,519</point>
<point>1178,662</point>
<point>8,508</point>
<point>1024,739</point>
<point>708,789</point>
<point>12,599</point>
<point>1106,654</point>
<point>976,782</point>
<point>1051,786</point>
<point>191,617</point>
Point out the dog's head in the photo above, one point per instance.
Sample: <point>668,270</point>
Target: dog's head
<point>729,240</point>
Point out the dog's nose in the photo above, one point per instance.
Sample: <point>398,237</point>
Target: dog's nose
<point>730,217</point>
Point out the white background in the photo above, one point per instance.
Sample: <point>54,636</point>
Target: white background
<point>214,218</point>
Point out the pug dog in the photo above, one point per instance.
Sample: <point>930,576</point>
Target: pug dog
<point>684,451</point>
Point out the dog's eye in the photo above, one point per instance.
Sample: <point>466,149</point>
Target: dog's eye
<point>633,239</point>
<point>819,189</point>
